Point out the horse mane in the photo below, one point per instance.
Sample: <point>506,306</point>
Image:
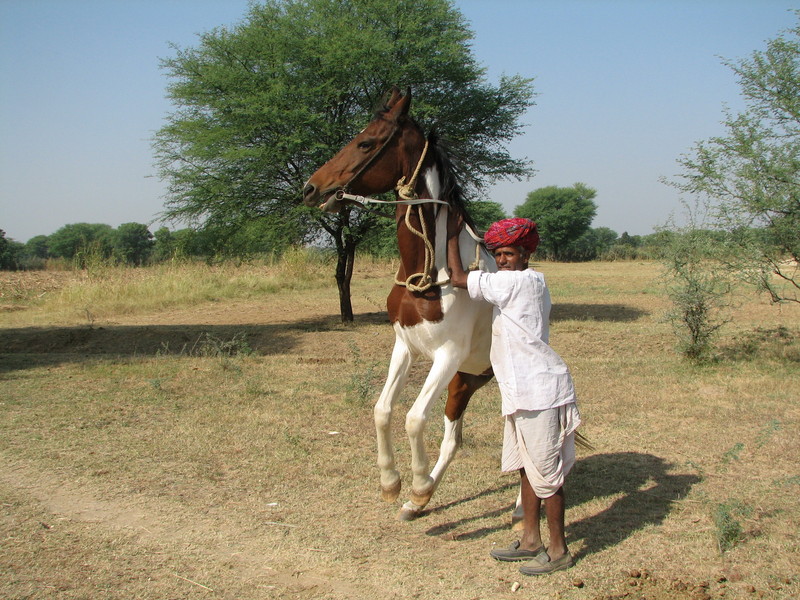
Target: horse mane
<point>451,184</point>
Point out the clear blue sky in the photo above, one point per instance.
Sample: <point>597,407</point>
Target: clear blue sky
<point>625,87</point>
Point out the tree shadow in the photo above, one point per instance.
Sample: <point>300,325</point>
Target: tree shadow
<point>617,313</point>
<point>640,489</point>
<point>28,347</point>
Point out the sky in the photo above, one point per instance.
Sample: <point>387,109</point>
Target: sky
<point>624,88</point>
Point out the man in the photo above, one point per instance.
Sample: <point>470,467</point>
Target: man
<point>538,395</point>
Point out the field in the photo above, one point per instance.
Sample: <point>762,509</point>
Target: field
<point>206,432</point>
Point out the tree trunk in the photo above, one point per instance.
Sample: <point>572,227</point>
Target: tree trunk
<point>346,255</point>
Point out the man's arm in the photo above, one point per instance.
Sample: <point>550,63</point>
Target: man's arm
<point>458,277</point>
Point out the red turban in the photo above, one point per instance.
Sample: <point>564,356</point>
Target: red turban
<point>512,232</point>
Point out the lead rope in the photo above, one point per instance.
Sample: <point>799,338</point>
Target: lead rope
<point>406,192</point>
<point>426,281</point>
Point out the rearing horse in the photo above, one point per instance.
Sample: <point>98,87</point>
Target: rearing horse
<point>431,319</point>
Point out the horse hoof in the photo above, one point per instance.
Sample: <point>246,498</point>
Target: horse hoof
<point>409,512</point>
<point>391,493</point>
<point>421,500</point>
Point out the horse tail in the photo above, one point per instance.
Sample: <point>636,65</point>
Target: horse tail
<point>582,441</point>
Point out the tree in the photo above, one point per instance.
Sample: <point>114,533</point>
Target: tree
<point>9,253</point>
<point>262,105</point>
<point>697,286</point>
<point>750,177</point>
<point>592,244</point>
<point>485,213</point>
<point>165,245</point>
<point>38,247</point>
<point>80,238</point>
<point>563,215</point>
<point>133,243</point>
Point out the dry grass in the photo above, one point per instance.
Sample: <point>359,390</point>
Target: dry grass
<point>135,466</point>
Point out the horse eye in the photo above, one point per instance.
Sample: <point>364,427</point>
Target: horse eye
<point>365,145</point>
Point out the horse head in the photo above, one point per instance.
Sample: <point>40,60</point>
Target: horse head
<point>372,162</point>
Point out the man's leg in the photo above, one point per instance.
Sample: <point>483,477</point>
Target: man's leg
<point>554,511</point>
<point>531,534</point>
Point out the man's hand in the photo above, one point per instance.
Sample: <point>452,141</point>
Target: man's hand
<point>455,222</point>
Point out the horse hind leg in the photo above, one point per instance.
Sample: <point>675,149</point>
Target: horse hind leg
<point>399,368</point>
<point>459,392</point>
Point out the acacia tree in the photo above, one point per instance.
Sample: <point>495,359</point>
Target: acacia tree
<point>750,177</point>
<point>261,105</point>
<point>562,215</point>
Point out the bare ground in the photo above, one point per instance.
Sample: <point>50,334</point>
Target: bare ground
<point>638,520</point>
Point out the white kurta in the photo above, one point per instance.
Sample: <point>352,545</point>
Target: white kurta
<point>531,375</point>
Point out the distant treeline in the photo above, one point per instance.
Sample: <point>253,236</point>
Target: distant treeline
<point>80,244</point>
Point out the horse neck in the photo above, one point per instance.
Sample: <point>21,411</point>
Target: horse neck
<point>421,229</point>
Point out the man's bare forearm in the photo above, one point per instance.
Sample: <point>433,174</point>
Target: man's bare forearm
<point>458,277</point>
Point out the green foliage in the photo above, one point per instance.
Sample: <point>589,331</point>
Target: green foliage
<point>485,213</point>
<point>752,174</point>
<point>37,250</point>
<point>767,432</point>
<point>363,379</point>
<point>562,215</point>
<point>133,243</point>
<point>779,344</point>
<point>260,106</point>
<point>77,239</point>
<point>699,288</point>
<point>733,453</point>
<point>592,244</point>
<point>729,530</point>
<point>10,252</point>
<point>380,240</point>
<point>211,345</point>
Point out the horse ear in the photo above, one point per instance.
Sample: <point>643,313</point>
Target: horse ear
<point>392,96</point>
<point>399,108</point>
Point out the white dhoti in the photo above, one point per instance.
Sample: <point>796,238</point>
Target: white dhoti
<point>543,443</point>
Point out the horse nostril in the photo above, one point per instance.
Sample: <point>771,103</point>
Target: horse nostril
<point>309,190</point>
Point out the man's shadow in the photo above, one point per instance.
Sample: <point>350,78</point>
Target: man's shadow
<point>639,488</point>
<point>643,489</point>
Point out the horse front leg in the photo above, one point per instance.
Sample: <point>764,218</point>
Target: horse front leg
<point>423,485</point>
<point>399,368</point>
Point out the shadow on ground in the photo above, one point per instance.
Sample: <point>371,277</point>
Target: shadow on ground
<point>615,313</point>
<point>27,347</point>
<point>640,488</point>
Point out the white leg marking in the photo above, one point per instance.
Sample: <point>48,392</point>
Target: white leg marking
<point>445,365</point>
<point>399,368</point>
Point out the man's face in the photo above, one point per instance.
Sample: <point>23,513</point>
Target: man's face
<point>510,258</point>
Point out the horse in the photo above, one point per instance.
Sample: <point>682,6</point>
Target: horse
<point>431,319</point>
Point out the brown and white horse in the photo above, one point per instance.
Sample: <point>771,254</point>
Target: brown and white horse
<point>431,319</point>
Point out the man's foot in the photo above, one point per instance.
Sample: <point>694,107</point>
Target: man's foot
<point>514,553</point>
<point>541,565</point>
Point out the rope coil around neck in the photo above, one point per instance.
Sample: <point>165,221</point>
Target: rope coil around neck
<point>407,193</point>
<point>425,280</point>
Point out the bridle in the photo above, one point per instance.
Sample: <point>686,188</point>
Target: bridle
<point>407,196</point>
<point>405,191</point>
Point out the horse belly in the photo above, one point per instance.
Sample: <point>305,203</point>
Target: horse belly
<point>465,332</point>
